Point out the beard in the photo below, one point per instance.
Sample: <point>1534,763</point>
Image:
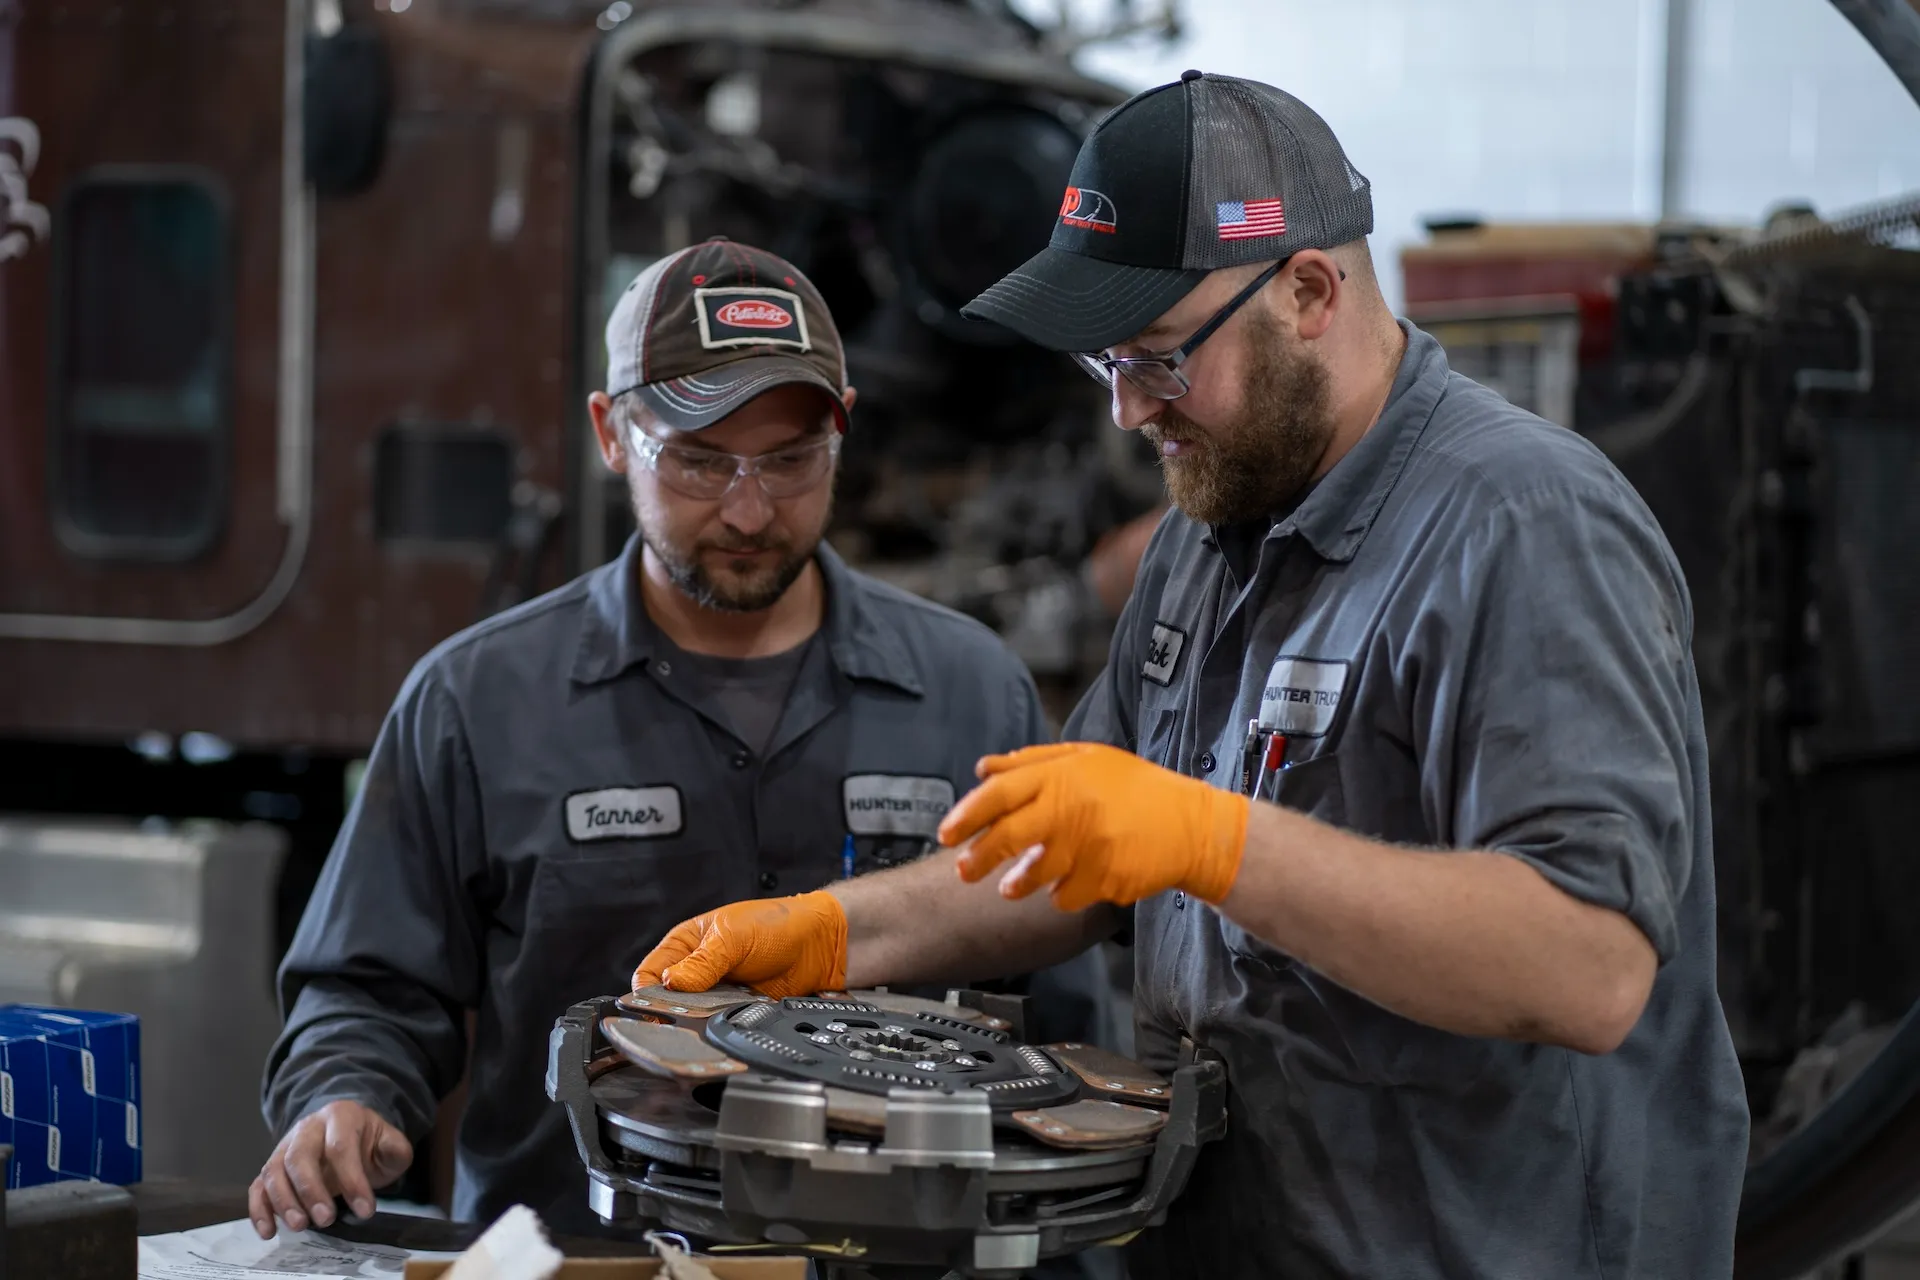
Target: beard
<point>1248,467</point>
<point>740,585</point>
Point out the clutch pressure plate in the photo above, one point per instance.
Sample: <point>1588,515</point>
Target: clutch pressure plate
<point>885,1132</point>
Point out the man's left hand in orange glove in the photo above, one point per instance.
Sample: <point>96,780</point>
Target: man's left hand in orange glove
<point>1108,826</point>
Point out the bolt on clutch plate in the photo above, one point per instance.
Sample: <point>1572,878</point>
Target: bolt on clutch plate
<point>882,1131</point>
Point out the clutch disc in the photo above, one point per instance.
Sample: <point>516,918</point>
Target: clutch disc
<point>855,1044</point>
<point>870,1128</point>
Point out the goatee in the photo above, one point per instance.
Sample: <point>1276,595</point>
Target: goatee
<point>748,591</point>
<point>1247,469</point>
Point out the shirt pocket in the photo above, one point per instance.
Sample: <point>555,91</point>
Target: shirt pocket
<point>1160,736</point>
<point>592,917</point>
<point>1312,787</point>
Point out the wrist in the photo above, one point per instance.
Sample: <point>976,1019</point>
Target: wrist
<point>825,906</point>
<point>1222,844</point>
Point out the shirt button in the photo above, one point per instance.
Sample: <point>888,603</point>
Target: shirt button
<point>1179,900</point>
<point>769,881</point>
<point>664,668</point>
<point>1206,762</point>
<point>742,760</point>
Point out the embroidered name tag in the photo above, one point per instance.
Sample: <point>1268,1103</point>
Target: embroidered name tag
<point>744,317</point>
<point>624,813</point>
<point>889,804</point>
<point>1163,653</point>
<point>1302,696</point>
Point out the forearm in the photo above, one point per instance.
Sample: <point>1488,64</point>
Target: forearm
<point>921,923</point>
<point>1474,943</point>
<point>378,1048</point>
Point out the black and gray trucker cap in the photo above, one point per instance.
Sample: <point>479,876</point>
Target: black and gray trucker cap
<point>1206,172</point>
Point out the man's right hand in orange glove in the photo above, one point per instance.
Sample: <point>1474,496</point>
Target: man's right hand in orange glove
<point>778,946</point>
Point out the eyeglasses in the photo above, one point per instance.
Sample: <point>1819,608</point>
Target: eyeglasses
<point>1159,374</point>
<point>709,474</point>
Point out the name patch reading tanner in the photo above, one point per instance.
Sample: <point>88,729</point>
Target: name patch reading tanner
<point>624,813</point>
<point>886,804</point>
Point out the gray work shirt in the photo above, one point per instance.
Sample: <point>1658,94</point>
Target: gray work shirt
<point>550,794</point>
<point>1475,636</point>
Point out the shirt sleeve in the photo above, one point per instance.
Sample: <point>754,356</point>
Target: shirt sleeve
<point>388,954</point>
<point>1564,739</point>
<point>1026,719</point>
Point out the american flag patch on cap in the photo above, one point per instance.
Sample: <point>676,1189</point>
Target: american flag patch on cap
<point>1247,219</point>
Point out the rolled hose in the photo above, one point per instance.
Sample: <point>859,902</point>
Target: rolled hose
<point>1842,1178</point>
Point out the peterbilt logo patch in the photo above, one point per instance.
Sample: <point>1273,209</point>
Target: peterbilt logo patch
<point>741,316</point>
<point>1163,653</point>
<point>624,813</point>
<point>1088,209</point>
<point>754,315</point>
<point>890,804</point>
<point>1302,696</point>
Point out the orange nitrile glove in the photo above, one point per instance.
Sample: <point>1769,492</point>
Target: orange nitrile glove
<point>778,946</point>
<point>1113,827</point>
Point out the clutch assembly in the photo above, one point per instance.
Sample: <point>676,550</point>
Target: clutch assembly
<point>883,1132</point>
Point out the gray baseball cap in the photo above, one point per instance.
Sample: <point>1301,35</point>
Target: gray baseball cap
<point>702,331</point>
<point>1206,172</point>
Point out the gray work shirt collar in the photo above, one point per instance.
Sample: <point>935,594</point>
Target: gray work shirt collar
<point>617,633</point>
<point>1336,513</point>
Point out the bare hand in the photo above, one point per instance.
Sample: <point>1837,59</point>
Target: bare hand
<point>343,1149</point>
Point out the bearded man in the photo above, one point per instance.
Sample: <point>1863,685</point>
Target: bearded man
<point>723,712</point>
<point>1397,762</point>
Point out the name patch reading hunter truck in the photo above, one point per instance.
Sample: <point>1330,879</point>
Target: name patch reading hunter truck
<point>1302,696</point>
<point>624,813</point>
<point>889,804</point>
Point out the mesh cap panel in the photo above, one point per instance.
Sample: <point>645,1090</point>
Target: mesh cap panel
<point>1184,178</point>
<point>1254,144</point>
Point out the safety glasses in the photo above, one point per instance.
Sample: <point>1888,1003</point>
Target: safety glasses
<point>709,474</point>
<point>1159,375</point>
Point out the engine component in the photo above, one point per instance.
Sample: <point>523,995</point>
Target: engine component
<point>870,1127</point>
<point>982,204</point>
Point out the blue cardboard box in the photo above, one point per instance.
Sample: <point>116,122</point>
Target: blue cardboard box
<point>69,1094</point>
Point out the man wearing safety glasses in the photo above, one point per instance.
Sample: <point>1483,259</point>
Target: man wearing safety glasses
<point>1398,760</point>
<point>726,711</point>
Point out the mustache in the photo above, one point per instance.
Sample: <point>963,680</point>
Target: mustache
<point>1178,432</point>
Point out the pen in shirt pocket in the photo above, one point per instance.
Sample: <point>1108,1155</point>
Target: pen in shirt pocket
<point>846,858</point>
<point>1272,760</point>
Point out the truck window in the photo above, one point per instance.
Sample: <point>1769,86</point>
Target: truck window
<point>140,404</point>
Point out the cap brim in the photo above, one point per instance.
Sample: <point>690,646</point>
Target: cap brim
<point>700,400</point>
<point>1070,302</point>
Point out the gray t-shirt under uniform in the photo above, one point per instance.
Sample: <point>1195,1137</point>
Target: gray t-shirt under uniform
<point>1475,636</point>
<point>745,694</point>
